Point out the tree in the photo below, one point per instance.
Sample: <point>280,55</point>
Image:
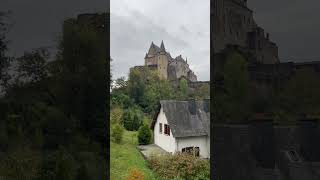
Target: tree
<point>232,105</point>
<point>32,65</point>
<point>132,119</point>
<point>183,88</point>
<point>4,60</point>
<point>117,133</point>
<point>144,135</point>
<point>136,85</point>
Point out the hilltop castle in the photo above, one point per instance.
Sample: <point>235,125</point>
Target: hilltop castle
<point>233,24</point>
<point>172,69</point>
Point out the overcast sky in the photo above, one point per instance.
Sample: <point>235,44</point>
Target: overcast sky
<point>183,25</point>
<point>38,23</point>
<point>293,24</point>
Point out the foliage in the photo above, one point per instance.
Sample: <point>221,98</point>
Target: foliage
<point>4,59</point>
<point>125,156</point>
<point>117,133</point>
<point>300,95</point>
<point>32,65</point>
<point>116,115</point>
<point>135,174</point>
<point>180,166</point>
<point>58,111</point>
<point>132,119</point>
<point>183,85</point>
<point>21,163</point>
<point>136,85</point>
<point>234,102</point>
<point>144,135</point>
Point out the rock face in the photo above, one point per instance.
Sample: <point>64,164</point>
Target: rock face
<point>233,24</point>
<point>168,67</point>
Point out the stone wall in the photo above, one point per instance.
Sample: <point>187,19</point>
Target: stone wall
<point>262,149</point>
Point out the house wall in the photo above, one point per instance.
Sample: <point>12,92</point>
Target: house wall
<point>203,142</point>
<point>166,142</point>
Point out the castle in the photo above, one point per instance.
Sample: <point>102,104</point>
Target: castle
<point>233,24</point>
<point>172,69</point>
<point>264,149</point>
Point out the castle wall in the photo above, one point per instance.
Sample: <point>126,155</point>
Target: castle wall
<point>233,24</point>
<point>260,150</point>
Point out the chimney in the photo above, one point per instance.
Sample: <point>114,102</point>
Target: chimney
<point>268,36</point>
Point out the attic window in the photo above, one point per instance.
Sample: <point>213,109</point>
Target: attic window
<point>166,129</point>
<point>160,128</point>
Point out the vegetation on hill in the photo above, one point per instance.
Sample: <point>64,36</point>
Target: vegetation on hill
<point>125,158</point>
<point>237,98</point>
<point>53,113</point>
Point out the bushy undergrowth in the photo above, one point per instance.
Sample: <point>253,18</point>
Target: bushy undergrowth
<point>180,166</point>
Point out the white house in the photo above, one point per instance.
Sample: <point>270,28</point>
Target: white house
<point>183,126</point>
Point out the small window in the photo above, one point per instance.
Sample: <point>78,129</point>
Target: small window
<point>192,150</point>
<point>160,128</point>
<point>166,129</point>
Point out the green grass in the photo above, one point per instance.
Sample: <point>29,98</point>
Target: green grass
<point>125,156</point>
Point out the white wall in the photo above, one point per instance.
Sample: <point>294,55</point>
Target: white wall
<point>171,144</point>
<point>166,142</point>
<point>203,142</point>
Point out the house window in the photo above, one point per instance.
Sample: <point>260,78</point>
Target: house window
<point>166,129</point>
<point>160,128</point>
<point>192,150</point>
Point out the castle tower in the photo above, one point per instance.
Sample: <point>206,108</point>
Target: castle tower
<point>158,57</point>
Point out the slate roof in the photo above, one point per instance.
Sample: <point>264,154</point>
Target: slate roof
<point>187,118</point>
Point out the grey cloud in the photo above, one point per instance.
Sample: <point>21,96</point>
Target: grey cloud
<point>293,25</point>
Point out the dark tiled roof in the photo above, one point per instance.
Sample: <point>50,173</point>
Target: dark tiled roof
<point>187,118</point>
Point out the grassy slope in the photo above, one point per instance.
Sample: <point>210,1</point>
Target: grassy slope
<point>125,156</point>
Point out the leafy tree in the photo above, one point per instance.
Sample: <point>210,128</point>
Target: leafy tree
<point>132,119</point>
<point>4,60</point>
<point>32,65</point>
<point>183,88</point>
<point>136,85</point>
<point>144,135</point>
<point>233,103</point>
<point>117,133</point>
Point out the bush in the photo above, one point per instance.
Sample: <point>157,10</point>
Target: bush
<point>144,135</point>
<point>181,166</point>
<point>132,119</point>
<point>116,115</point>
<point>135,174</point>
<point>117,133</point>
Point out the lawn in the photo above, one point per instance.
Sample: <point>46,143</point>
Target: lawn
<point>125,156</point>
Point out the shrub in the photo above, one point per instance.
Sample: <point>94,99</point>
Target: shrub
<point>132,119</point>
<point>135,174</point>
<point>181,166</point>
<point>144,135</point>
<point>117,133</point>
<point>116,115</point>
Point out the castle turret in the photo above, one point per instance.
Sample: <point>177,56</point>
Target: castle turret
<point>152,50</point>
<point>162,48</point>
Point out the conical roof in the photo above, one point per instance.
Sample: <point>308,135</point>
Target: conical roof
<point>162,48</point>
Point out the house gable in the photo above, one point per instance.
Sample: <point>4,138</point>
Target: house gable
<point>164,140</point>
